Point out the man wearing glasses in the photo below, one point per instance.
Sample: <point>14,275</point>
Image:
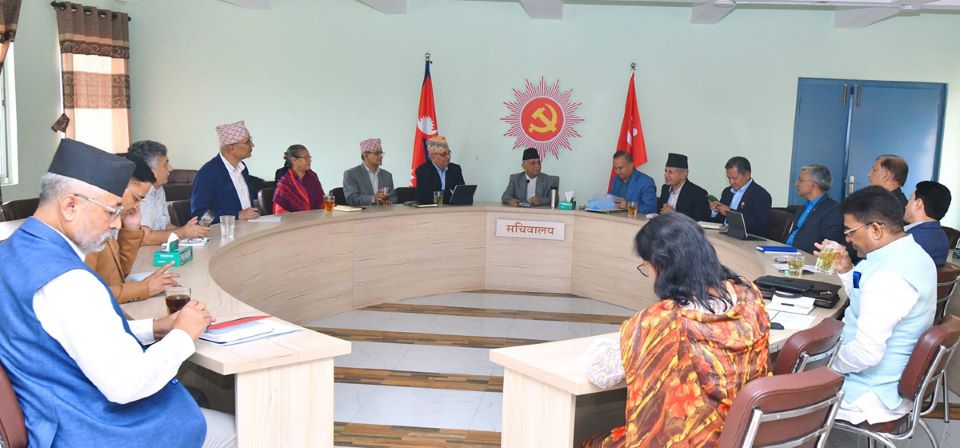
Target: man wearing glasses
<point>223,185</point>
<point>820,218</point>
<point>892,294</point>
<point>368,183</point>
<point>437,174</point>
<point>83,374</point>
<point>115,261</point>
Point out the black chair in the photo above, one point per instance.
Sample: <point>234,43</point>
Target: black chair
<point>179,212</point>
<point>778,226</point>
<point>339,196</point>
<point>179,185</point>
<point>20,208</point>
<point>265,197</point>
<point>406,194</point>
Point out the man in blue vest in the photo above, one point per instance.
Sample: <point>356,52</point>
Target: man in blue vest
<point>82,373</point>
<point>892,294</point>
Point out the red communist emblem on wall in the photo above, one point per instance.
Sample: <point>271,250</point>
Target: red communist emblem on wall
<point>542,117</point>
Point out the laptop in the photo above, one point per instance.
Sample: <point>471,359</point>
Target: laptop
<point>737,227</point>
<point>462,195</point>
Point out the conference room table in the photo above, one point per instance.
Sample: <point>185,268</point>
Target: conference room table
<point>301,267</point>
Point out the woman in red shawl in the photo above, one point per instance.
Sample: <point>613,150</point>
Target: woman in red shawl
<point>298,187</point>
<point>685,357</point>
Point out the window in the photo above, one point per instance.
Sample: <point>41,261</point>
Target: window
<point>8,128</point>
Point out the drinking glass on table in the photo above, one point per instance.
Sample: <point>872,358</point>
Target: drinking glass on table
<point>438,198</point>
<point>385,192</point>
<point>632,209</point>
<point>794,265</point>
<point>177,297</point>
<point>328,203</point>
<point>227,224</point>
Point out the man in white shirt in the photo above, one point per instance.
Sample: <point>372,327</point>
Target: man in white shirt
<point>153,207</point>
<point>83,374</point>
<point>892,294</point>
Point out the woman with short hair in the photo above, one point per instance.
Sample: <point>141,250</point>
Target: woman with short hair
<point>298,187</point>
<point>685,357</point>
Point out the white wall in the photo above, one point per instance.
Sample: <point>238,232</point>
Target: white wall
<point>331,73</point>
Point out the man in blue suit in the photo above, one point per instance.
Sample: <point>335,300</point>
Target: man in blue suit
<point>926,207</point>
<point>820,218</point>
<point>223,185</point>
<point>743,195</point>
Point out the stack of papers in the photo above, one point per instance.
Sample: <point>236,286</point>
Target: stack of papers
<point>710,225</point>
<point>245,329</point>
<point>347,208</point>
<point>194,242</point>
<point>267,218</point>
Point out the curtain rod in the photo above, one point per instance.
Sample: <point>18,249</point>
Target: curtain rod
<point>63,5</point>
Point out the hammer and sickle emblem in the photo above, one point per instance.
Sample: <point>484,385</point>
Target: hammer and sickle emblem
<point>549,124</point>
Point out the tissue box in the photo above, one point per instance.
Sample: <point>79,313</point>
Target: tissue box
<point>179,256</point>
<point>565,206</point>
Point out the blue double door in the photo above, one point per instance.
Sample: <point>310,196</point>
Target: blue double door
<point>845,124</point>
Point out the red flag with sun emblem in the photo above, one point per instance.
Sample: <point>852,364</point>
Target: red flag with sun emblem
<point>631,133</point>
<point>426,125</point>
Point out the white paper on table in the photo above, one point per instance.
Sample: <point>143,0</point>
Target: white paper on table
<point>267,218</point>
<point>138,276</point>
<point>807,267</point>
<point>792,321</point>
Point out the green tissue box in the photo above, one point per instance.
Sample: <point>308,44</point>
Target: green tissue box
<point>179,256</point>
<point>565,206</point>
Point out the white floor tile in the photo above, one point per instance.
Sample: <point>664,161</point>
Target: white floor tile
<point>551,330</point>
<point>377,320</point>
<point>349,398</point>
<point>489,413</point>
<point>412,406</point>
<point>470,326</point>
<point>373,355</point>
<point>440,359</point>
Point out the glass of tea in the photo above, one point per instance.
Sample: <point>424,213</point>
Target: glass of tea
<point>632,209</point>
<point>177,297</point>
<point>328,203</point>
<point>827,261</point>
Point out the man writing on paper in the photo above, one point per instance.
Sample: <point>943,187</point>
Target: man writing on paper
<point>79,369</point>
<point>531,186</point>
<point>892,295</point>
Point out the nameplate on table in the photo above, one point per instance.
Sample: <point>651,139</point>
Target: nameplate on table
<point>537,230</point>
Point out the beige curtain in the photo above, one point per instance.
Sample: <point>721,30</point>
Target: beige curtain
<point>94,49</point>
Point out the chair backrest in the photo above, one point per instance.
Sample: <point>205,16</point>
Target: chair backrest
<point>929,358</point>
<point>796,409</point>
<point>20,208</point>
<point>948,276</point>
<point>953,236</point>
<point>181,177</point>
<point>179,212</point>
<point>338,196</point>
<point>406,194</point>
<point>177,192</point>
<point>809,349</point>
<point>265,196</point>
<point>13,429</point>
<point>778,225</point>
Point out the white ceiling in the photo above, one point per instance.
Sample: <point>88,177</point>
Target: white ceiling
<point>847,13</point>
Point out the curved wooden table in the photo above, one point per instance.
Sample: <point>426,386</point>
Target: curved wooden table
<point>315,264</point>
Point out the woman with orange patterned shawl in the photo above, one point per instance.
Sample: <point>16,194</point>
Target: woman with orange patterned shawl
<point>685,357</point>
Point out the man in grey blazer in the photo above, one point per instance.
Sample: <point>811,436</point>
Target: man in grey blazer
<point>367,183</point>
<point>531,186</point>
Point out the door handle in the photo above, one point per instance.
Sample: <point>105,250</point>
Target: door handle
<point>859,92</point>
<point>850,185</point>
<point>843,97</point>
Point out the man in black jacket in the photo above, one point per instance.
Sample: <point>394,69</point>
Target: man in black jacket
<point>744,195</point>
<point>679,194</point>
<point>437,174</point>
<point>820,219</point>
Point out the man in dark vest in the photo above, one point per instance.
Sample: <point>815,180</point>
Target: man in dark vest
<point>83,374</point>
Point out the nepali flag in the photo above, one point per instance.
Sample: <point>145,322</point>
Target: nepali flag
<point>426,125</point>
<point>631,133</point>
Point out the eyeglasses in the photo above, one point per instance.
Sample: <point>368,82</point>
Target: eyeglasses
<point>805,180</point>
<point>642,268</point>
<point>114,212</point>
<point>304,157</point>
<point>849,232</point>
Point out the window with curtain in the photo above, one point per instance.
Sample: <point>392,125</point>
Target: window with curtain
<point>9,15</point>
<point>94,49</point>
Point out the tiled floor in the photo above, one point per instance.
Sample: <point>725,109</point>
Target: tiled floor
<point>384,414</point>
